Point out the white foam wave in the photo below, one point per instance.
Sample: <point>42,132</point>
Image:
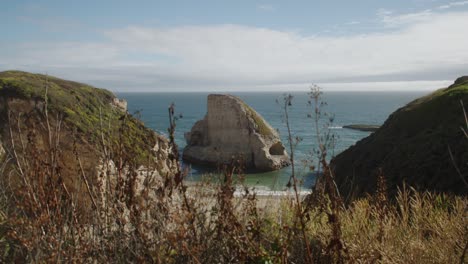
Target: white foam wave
<point>264,191</point>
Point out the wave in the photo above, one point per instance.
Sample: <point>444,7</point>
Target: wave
<point>335,127</point>
<point>264,191</point>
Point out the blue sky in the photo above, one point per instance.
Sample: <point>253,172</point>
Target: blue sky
<point>239,45</point>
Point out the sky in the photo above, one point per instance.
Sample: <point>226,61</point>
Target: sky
<point>239,45</point>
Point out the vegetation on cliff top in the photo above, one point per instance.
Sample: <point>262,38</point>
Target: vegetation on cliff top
<point>85,109</point>
<point>440,112</point>
<point>261,127</point>
<point>79,102</point>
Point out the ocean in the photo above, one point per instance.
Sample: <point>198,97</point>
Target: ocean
<point>344,107</point>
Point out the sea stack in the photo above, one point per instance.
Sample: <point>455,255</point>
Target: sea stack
<point>233,130</point>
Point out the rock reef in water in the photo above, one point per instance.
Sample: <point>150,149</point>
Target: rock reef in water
<point>362,127</point>
<point>232,129</point>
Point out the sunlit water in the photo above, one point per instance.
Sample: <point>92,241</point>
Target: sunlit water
<point>346,107</point>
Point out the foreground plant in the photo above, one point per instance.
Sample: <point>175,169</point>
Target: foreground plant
<point>133,215</point>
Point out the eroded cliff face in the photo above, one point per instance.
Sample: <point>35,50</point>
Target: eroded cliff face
<point>233,130</point>
<point>139,180</point>
<point>421,145</point>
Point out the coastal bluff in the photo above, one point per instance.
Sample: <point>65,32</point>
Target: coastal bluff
<point>90,129</point>
<point>233,130</point>
<point>421,145</point>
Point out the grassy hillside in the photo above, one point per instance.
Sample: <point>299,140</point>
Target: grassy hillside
<point>64,134</point>
<point>421,144</point>
<point>86,110</point>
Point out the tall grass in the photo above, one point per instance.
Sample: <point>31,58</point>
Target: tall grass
<point>136,215</point>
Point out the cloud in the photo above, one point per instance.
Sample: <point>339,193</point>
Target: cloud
<point>453,4</point>
<point>61,54</point>
<point>430,46</point>
<point>357,86</point>
<point>265,7</point>
<point>391,20</point>
<point>384,12</point>
<point>350,23</point>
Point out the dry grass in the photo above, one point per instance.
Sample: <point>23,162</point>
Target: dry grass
<point>162,220</point>
<point>209,225</point>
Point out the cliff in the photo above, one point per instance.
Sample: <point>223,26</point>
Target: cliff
<point>421,144</point>
<point>81,125</point>
<point>232,129</point>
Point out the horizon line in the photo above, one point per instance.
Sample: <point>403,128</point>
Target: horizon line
<point>389,86</point>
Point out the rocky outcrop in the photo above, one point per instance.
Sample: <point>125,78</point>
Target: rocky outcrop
<point>421,144</point>
<point>232,129</point>
<point>120,104</point>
